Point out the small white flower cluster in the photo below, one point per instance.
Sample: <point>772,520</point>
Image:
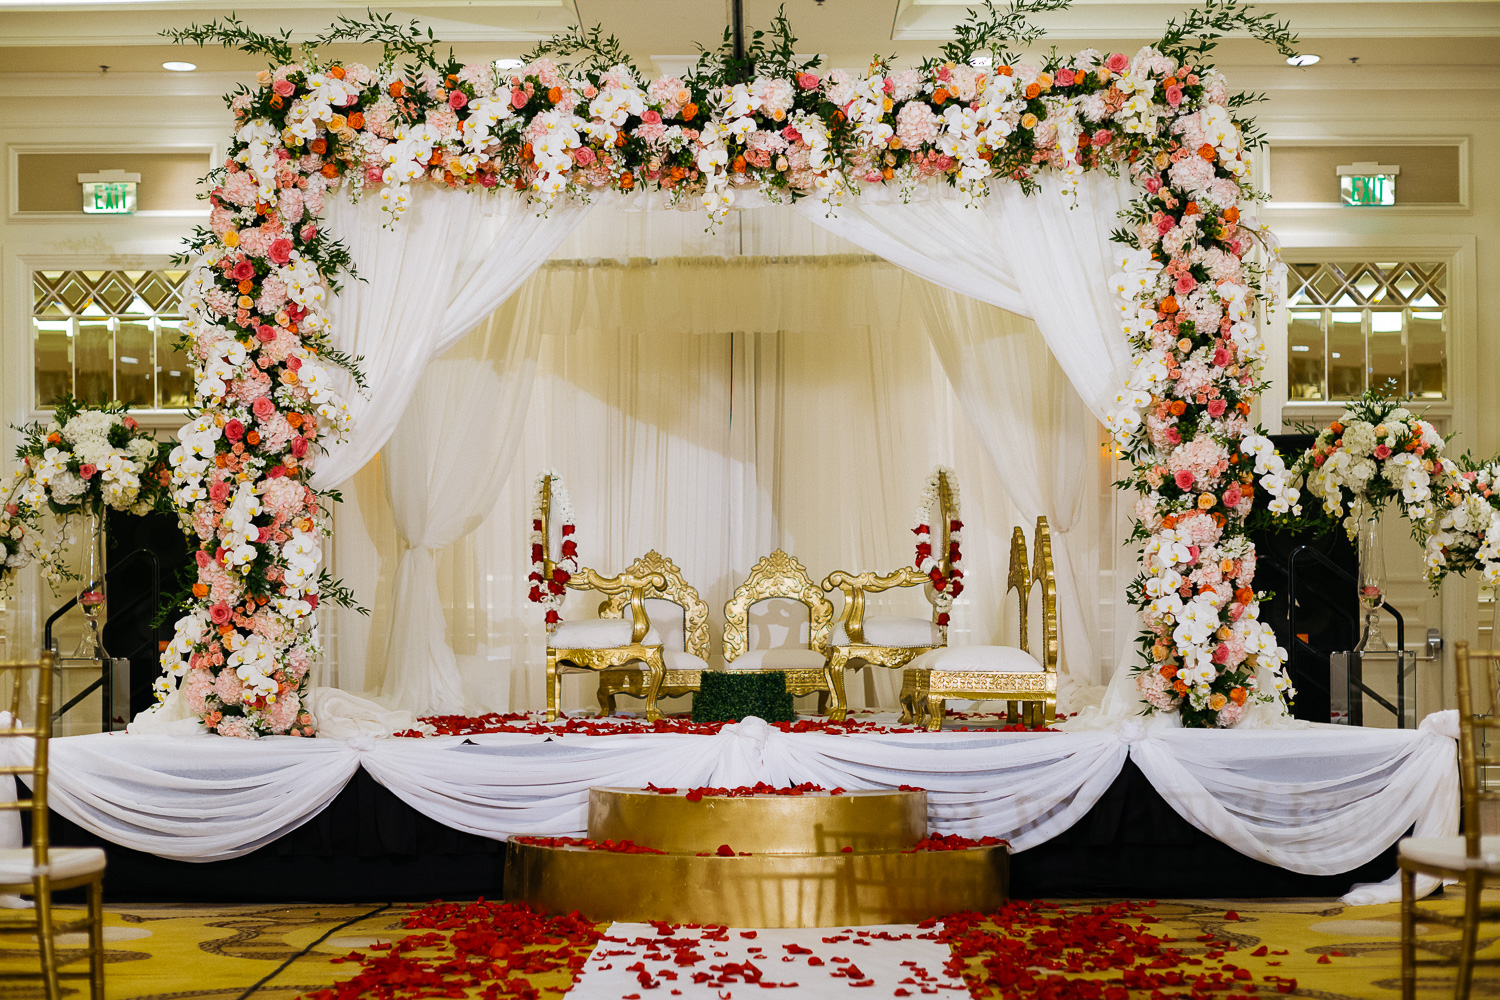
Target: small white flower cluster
<point>1274,478</point>
<point>550,593</point>
<point>1373,453</point>
<point>1466,525</point>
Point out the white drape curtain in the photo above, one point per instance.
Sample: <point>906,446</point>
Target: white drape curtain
<point>1045,255</point>
<point>712,410</point>
<point>1033,425</point>
<point>423,283</point>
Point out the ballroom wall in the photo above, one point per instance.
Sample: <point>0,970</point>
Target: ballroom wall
<point>171,116</point>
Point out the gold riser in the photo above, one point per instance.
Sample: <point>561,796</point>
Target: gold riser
<point>768,890</point>
<point>867,820</point>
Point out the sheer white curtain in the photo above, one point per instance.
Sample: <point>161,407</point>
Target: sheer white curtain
<point>712,410</point>
<point>1033,425</point>
<point>423,283</point>
<point>1045,255</point>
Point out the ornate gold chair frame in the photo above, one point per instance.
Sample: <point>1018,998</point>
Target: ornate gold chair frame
<point>781,575</point>
<point>565,661</point>
<point>675,682</point>
<point>857,652</point>
<point>1468,858</point>
<point>923,692</point>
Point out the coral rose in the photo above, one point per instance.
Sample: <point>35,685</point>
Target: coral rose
<point>280,251</point>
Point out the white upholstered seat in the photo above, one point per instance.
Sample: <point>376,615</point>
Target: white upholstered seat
<point>62,863</point>
<point>782,658</point>
<point>598,633</point>
<point>990,659</point>
<point>1449,852</point>
<point>893,630</point>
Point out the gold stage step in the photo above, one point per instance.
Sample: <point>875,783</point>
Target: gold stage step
<point>813,860</point>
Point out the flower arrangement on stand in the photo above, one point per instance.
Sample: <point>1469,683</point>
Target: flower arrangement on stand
<point>552,505</point>
<point>763,120</point>
<point>1465,531</point>
<point>946,585</point>
<point>86,459</point>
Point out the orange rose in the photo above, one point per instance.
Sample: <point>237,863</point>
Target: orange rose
<point>1032,90</point>
<point>330,170</point>
<point>1231,214</point>
<point>1207,152</point>
<point>276,101</point>
<point>1004,71</point>
<point>1178,408</point>
<point>337,72</point>
<point>689,112</point>
<point>356,120</point>
<point>1179,687</point>
<point>554,95</point>
<point>200,590</point>
<point>1168,304</point>
<point>627,181</point>
<point>1237,695</point>
<point>318,145</point>
<point>294,418</point>
<point>939,96</point>
<point>1244,595</point>
<point>397,88</point>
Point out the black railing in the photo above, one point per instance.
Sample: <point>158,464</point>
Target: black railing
<point>106,681</point>
<point>1355,681</point>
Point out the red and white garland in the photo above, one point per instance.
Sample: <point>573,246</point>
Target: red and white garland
<point>947,586</point>
<point>549,593</point>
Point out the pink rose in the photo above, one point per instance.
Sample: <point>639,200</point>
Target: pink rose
<point>87,470</point>
<point>284,87</point>
<point>243,270</point>
<point>294,363</point>
<point>889,86</point>
<point>583,156</point>
<point>1382,451</point>
<point>517,99</point>
<point>488,180</point>
<point>457,99</point>
<point>374,175</point>
<point>1186,283</point>
<point>265,334</point>
<point>1232,496</point>
<point>263,408</point>
<point>1104,137</point>
<point>1117,62</point>
<point>1216,408</point>
<point>1183,479</point>
<point>651,116</point>
<point>1065,77</point>
<point>203,559</point>
<point>130,423</point>
<point>790,134</point>
<point>312,600</point>
<point>309,233</point>
<point>280,251</point>
<point>299,447</point>
<point>807,81</point>
<point>1221,357</point>
<point>1153,184</point>
<point>1174,95</point>
<point>234,430</point>
<point>218,492</point>
<point>219,613</point>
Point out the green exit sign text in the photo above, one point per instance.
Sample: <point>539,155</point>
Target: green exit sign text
<point>109,192</point>
<point>1366,184</point>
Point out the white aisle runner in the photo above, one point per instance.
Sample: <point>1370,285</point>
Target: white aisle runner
<point>647,961</point>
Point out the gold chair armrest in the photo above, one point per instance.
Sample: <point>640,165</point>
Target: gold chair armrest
<point>856,585</point>
<point>634,585</point>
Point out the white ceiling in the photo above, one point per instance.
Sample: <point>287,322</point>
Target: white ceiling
<point>77,38</point>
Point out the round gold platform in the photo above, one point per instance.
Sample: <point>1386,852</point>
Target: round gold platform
<point>815,823</point>
<point>764,890</point>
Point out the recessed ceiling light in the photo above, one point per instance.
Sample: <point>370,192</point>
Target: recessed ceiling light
<point>509,63</point>
<point>1302,59</point>
<point>179,67</point>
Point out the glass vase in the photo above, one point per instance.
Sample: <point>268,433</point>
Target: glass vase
<point>1371,581</point>
<point>91,593</point>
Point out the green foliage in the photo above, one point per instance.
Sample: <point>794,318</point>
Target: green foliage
<point>233,33</point>
<point>732,695</point>
<point>988,30</point>
<point>396,40</point>
<point>598,51</point>
<point>1199,32</point>
<point>767,53</point>
<point>331,591</point>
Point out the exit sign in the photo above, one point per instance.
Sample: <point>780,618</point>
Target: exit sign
<point>1368,184</point>
<point>109,192</point>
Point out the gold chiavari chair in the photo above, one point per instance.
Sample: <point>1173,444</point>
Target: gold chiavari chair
<point>1471,859</point>
<point>40,870</point>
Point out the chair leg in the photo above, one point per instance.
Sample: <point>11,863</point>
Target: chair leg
<point>934,712</point>
<point>833,673</point>
<point>553,693</point>
<point>1408,935</point>
<point>657,670</point>
<point>1012,714</point>
<point>1472,888</point>
<point>45,938</point>
<point>606,698</point>
<point>96,939</point>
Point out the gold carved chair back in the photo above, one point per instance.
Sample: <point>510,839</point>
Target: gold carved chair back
<point>693,629</point>
<point>1035,570</point>
<point>778,575</point>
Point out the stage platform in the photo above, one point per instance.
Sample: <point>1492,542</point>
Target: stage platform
<point>1129,811</point>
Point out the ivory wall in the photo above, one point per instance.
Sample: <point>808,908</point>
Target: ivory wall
<point>1368,106</point>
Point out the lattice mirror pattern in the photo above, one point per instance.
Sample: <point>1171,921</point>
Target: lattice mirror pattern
<point>105,335</point>
<point>1356,325</point>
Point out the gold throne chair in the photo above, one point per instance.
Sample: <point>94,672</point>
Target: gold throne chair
<point>890,641</point>
<point>783,645</point>
<point>996,673</point>
<point>680,615</point>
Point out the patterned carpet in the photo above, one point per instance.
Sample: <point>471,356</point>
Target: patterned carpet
<point>182,952</point>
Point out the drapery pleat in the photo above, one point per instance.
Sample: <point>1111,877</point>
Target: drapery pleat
<point>422,284</point>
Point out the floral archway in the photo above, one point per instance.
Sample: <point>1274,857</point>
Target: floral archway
<point>1191,270</point>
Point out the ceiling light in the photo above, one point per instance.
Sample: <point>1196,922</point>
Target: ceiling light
<point>1302,59</point>
<point>509,63</point>
<point>981,62</point>
<point>179,67</point>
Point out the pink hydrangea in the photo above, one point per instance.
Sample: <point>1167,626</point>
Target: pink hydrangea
<point>240,188</point>
<point>195,689</point>
<point>916,125</point>
<point>1153,686</point>
<point>237,726</point>
<point>1199,528</point>
<point>1204,457</point>
<point>1231,714</point>
<point>282,713</point>
<point>228,689</point>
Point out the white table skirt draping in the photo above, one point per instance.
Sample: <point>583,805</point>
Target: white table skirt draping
<point>1317,801</point>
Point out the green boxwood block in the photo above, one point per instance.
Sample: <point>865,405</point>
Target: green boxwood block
<point>729,696</point>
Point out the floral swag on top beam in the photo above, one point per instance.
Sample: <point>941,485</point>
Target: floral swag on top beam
<point>763,120</point>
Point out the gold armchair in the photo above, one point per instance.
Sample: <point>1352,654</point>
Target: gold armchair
<point>999,673</point>
<point>779,576</point>
<point>680,615</point>
<point>881,640</point>
<point>605,643</point>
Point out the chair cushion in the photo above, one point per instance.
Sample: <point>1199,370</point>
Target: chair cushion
<point>785,658</point>
<point>64,862</point>
<point>989,659</point>
<point>1449,852</point>
<point>893,630</point>
<point>677,659</point>
<point>598,633</point>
